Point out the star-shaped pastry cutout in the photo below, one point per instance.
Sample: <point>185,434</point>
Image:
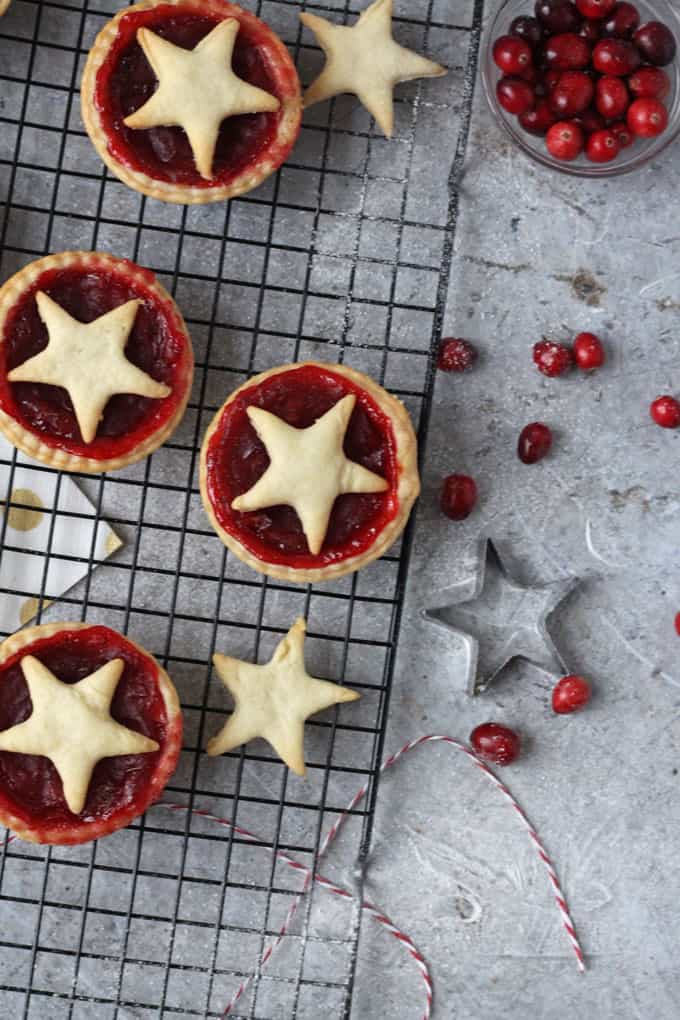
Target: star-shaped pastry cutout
<point>273,701</point>
<point>71,725</point>
<point>87,359</point>
<point>197,89</point>
<point>500,620</point>
<point>365,60</point>
<point>308,469</point>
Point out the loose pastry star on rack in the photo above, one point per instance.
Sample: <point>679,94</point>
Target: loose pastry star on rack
<point>364,59</point>
<point>197,90</point>
<point>87,359</point>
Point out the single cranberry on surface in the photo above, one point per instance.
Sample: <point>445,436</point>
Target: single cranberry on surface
<point>677,623</point>
<point>616,56</point>
<point>565,140</point>
<point>588,352</point>
<point>534,442</point>
<point>602,146</point>
<point>514,95</point>
<point>647,118</point>
<point>613,97</point>
<point>557,15</point>
<point>511,54</point>
<point>570,694</point>
<point>665,411</point>
<point>656,43</point>
<point>455,355</point>
<point>590,120</point>
<point>458,496</point>
<point>572,94</point>
<point>622,22</point>
<point>595,8</point>
<point>528,29</point>
<point>540,119</point>
<point>496,743</point>
<point>552,359</point>
<point>623,134</point>
<point>567,52</point>
<point>649,83</point>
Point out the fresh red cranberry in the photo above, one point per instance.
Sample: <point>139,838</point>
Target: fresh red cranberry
<point>595,8</point>
<point>570,694</point>
<point>649,83</point>
<point>496,743</point>
<point>602,146</point>
<point>623,136</point>
<point>588,351</point>
<point>665,411</point>
<point>514,95</point>
<point>573,93</point>
<point>677,623</point>
<point>528,29</point>
<point>616,56</point>
<point>557,15</point>
<point>656,43</point>
<point>612,97</point>
<point>551,358</point>
<point>565,140</point>
<point>534,442</point>
<point>567,52</point>
<point>540,119</point>
<point>458,496</point>
<point>591,31</point>
<point>456,355</point>
<point>590,120</point>
<point>622,22</point>
<point>511,54</point>
<point>647,118</point>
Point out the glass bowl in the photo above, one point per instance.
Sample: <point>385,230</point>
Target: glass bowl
<point>640,153</point>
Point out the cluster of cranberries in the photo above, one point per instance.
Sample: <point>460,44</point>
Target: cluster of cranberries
<point>586,75</point>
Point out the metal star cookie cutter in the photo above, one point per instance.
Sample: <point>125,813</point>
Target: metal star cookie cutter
<point>501,620</point>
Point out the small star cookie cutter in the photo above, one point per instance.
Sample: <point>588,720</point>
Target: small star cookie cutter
<point>499,619</point>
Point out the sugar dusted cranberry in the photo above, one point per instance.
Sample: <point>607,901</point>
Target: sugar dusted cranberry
<point>623,134</point>
<point>616,56</point>
<point>612,97</point>
<point>570,694</point>
<point>539,120</point>
<point>647,118</point>
<point>573,93</point>
<point>511,54</point>
<point>514,95</point>
<point>496,743</point>
<point>528,29</point>
<point>567,52</point>
<point>649,83</point>
<point>591,31</point>
<point>458,496</point>
<point>565,140</point>
<point>551,358</point>
<point>656,43</point>
<point>602,146</point>
<point>456,355</point>
<point>595,8</point>
<point>590,120</point>
<point>588,352</point>
<point>534,442</point>
<point>622,22</point>
<point>665,411</point>
<point>558,15</point>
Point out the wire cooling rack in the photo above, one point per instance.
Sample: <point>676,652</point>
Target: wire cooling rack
<point>345,256</point>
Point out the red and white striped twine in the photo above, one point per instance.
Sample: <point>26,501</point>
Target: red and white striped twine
<point>370,908</point>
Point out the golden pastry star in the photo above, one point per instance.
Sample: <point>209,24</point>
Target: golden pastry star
<point>87,359</point>
<point>273,701</point>
<point>308,469</point>
<point>71,725</point>
<point>365,60</point>
<point>197,89</point>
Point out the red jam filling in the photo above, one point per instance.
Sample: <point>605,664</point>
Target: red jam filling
<point>157,344</point>
<point>236,459</point>
<point>125,81</point>
<point>30,787</point>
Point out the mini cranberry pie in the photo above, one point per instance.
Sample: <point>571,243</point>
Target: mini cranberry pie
<point>95,362</point>
<point>190,101</point>
<point>309,471</point>
<point>90,732</point>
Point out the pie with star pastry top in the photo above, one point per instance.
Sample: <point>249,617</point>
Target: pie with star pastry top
<point>309,471</point>
<point>95,362</point>
<point>90,732</point>
<point>190,101</point>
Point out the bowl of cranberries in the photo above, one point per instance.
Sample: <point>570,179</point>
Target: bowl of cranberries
<point>589,87</point>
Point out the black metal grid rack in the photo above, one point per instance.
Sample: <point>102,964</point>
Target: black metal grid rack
<point>344,255</point>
